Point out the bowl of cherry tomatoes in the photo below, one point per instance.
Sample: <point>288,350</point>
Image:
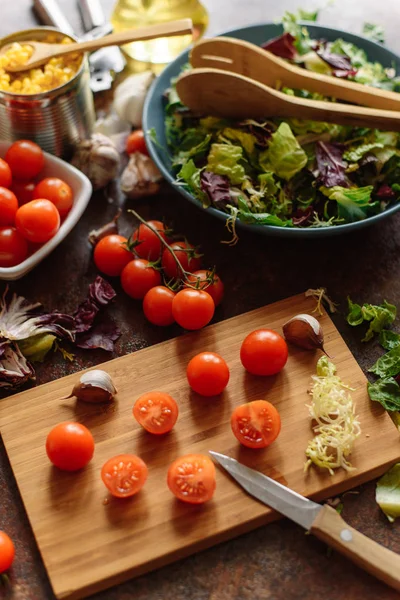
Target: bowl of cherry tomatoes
<point>41,199</point>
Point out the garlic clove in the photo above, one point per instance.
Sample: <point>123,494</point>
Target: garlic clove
<point>141,177</point>
<point>94,386</point>
<point>98,159</point>
<point>304,331</point>
<point>129,97</point>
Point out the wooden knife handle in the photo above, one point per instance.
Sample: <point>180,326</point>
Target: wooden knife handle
<point>364,552</point>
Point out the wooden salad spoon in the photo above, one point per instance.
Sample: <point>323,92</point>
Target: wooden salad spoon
<point>42,52</point>
<point>244,58</point>
<point>226,94</point>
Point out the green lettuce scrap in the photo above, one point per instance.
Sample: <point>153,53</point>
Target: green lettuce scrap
<point>224,159</point>
<point>353,203</point>
<point>37,346</point>
<point>284,155</point>
<point>388,493</point>
<point>387,365</point>
<point>386,391</point>
<point>379,316</point>
<point>389,339</point>
<point>190,174</point>
<point>354,154</point>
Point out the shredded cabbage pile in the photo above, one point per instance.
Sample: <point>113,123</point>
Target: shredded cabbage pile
<point>337,427</point>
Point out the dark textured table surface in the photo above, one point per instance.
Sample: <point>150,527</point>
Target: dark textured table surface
<point>276,562</point>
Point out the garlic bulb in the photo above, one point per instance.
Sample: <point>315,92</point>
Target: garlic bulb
<point>140,177</point>
<point>304,331</point>
<point>94,386</point>
<point>98,159</point>
<point>129,97</point>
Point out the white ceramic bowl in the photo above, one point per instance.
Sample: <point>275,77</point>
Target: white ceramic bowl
<point>82,190</point>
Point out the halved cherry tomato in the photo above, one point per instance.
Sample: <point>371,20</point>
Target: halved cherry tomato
<point>148,244</point>
<point>8,206</point>
<point>136,143</point>
<point>201,279</point>
<point>111,256</point>
<point>58,192</point>
<point>157,306</point>
<point>208,374</point>
<point>191,478</point>
<point>256,424</point>
<point>5,174</point>
<point>70,446</point>
<point>124,475</point>
<point>25,159</point>
<point>156,412</point>
<point>264,352</point>
<point>187,256</point>
<point>23,190</point>
<point>13,247</point>
<point>7,552</point>
<point>38,221</point>
<point>193,309</point>
<point>138,277</point>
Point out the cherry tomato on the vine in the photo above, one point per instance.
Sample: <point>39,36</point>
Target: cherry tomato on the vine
<point>70,446</point>
<point>264,352</point>
<point>157,306</point>
<point>58,192</point>
<point>193,309</point>
<point>208,374</point>
<point>156,412</point>
<point>23,190</point>
<point>186,255</point>
<point>25,158</point>
<point>148,244</point>
<point>7,552</point>
<point>201,280</point>
<point>256,424</point>
<point>138,277</point>
<point>111,256</point>
<point>5,174</point>
<point>38,221</point>
<point>136,143</point>
<point>191,478</point>
<point>124,475</point>
<point>13,247</point>
<point>8,206</point>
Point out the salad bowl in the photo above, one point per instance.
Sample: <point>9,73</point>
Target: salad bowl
<point>154,122</point>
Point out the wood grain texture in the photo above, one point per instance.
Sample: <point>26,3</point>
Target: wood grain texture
<point>88,545</point>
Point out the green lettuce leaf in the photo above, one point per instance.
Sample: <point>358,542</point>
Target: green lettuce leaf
<point>284,155</point>
<point>260,218</point>
<point>246,140</point>
<point>224,159</point>
<point>379,316</point>
<point>37,346</point>
<point>389,339</point>
<point>387,493</point>
<point>386,392</point>
<point>355,153</point>
<point>190,174</point>
<point>355,315</point>
<point>387,365</point>
<point>268,184</point>
<point>193,146</point>
<point>353,203</point>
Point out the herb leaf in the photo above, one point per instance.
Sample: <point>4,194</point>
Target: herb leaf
<point>387,365</point>
<point>380,316</point>
<point>387,392</point>
<point>389,339</point>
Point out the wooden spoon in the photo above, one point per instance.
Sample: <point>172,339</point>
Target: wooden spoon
<point>244,58</point>
<point>42,52</point>
<point>225,94</point>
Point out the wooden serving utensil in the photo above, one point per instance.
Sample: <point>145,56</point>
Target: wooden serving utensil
<point>225,94</point>
<point>244,58</point>
<point>42,52</point>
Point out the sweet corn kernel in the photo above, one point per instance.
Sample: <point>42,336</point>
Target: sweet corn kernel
<point>55,72</point>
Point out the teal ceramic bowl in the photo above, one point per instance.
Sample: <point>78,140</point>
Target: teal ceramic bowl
<point>153,118</point>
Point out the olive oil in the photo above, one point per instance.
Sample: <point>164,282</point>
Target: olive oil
<point>130,14</point>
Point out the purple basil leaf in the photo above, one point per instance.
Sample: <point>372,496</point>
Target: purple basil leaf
<point>15,370</point>
<point>102,335</point>
<point>337,61</point>
<point>344,74</point>
<point>100,294</point>
<point>282,46</point>
<point>303,217</point>
<point>385,192</point>
<point>331,166</point>
<point>216,187</point>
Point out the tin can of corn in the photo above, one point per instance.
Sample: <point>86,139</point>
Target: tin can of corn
<point>60,117</point>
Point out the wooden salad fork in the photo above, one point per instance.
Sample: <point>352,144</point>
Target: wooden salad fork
<point>225,94</point>
<point>244,58</point>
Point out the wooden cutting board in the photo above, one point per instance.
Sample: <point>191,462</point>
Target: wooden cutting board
<point>89,541</point>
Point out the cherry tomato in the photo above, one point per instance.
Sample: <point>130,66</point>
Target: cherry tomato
<point>186,254</point>
<point>157,306</point>
<point>124,475</point>
<point>256,424</point>
<point>191,478</point>
<point>5,174</point>
<point>13,247</point>
<point>38,221</point>
<point>201,280</point>
<point>110,256</point>
<point>58,192</point>
<point>207,374</point>
<point>156,412</point>
<point>149,246</point>
<point>25,158</point>
<point>263,352</point>
<point>138,277</point>
<point>136,143</point>
<point>70,446</point>
<point>193,309</point>
<point>7,552</point>
<point>8,206</point>
<point>23,190</point>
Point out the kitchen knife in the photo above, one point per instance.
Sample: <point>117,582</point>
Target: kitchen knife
<point>321,520</point>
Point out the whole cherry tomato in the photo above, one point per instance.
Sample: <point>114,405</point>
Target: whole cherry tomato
<point>25,159</point>
<point>201,280</point>
<point>5,174</point>
<point>157,306</point>
<point>23,190</point>
<point>136,143</point>
<point>187,256</point>
<point>193,309</point>
<point>138,277</point>
<point>264,352</point>
<point>13,247</point>
<point>208,374</point>
<point>7,552</point>
<point>111,256</point>
<point>148,244</point>
<point>8,207</point>
<point>38,221</point>
<point>70,446</point>
<point>58,192</point>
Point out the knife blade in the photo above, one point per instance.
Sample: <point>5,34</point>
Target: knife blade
<point>321,520</point>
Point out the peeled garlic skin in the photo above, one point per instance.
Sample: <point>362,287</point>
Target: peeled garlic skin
<point>304,331</point>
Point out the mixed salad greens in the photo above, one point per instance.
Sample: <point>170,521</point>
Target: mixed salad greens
<point>291,173</point>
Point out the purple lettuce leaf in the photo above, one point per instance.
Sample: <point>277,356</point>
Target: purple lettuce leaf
<point>331,166</point>
<point>303,217</point>
<point>100,294</point>
<point>15,370</point>
<point>282,46</point>
<point>216,187</point>
<point>337,61</point>
<point>101,335</point>
<point>385,192</point>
